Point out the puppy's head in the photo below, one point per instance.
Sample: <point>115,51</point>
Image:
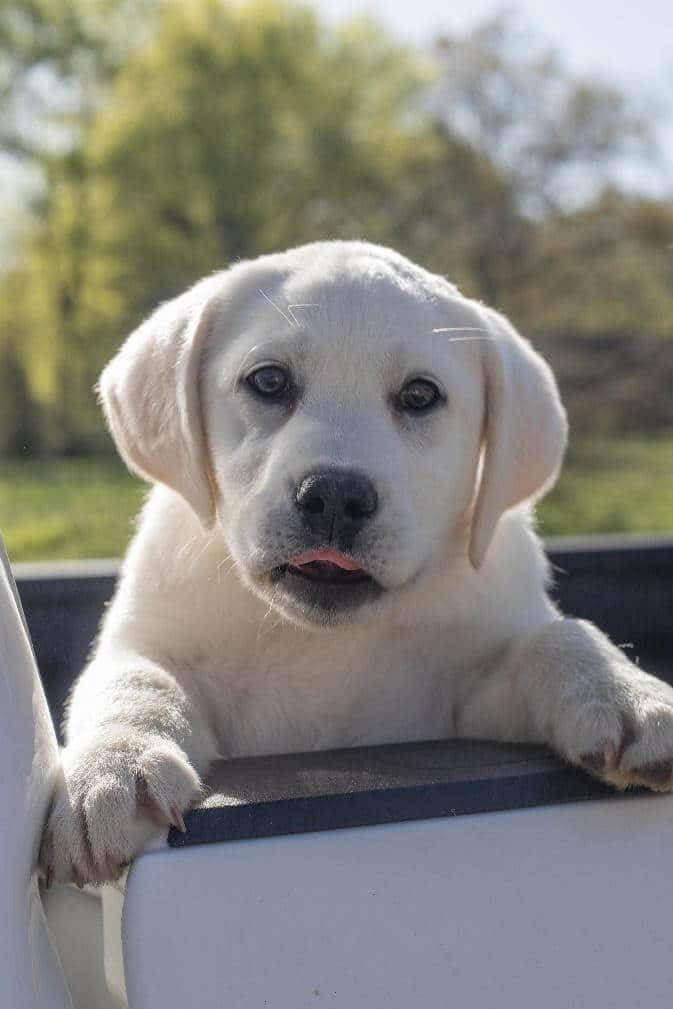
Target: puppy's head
<point>349,420</point>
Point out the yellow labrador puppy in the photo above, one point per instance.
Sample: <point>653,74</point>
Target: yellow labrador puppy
<point>338,549</point>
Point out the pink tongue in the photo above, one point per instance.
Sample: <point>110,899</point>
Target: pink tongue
<point>325,555</point>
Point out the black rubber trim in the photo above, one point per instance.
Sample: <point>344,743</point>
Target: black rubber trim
<point>299,793</point>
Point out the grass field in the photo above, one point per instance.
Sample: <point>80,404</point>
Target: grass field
<point>84,508</point>
<point>69,508</point>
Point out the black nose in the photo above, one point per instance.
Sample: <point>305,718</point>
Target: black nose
<point>336,503</point>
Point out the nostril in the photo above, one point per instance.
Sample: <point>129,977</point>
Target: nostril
<point>314,505</point>
<point>356,509</point>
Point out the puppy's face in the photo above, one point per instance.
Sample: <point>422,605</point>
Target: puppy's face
<point>344,437</point>
<point>349,420</point>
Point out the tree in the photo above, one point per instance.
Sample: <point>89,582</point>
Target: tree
<point>200,133</point>
<point>240,130</point>
<point>228,131</point>
<point>557,138</point>
<point>19,416</point>
<point>55,57</point>
<point>454,211</point>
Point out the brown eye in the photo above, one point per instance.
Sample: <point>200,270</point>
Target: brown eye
<point>419,395</point>
<point>270,381</point>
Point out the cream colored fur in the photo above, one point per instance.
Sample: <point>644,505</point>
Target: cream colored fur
<point>201,655</point>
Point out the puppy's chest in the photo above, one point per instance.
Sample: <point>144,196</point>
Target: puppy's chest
<point>288,699</point>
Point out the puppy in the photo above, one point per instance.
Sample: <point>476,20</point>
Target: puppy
<point>338,549</point>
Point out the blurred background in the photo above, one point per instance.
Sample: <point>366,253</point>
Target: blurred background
<point>525,152</point>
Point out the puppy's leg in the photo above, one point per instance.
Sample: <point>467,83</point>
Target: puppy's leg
<point>136,747</point>
<point>568,686</point>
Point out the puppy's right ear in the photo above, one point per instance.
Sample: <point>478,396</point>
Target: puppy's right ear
<point>150,396</point>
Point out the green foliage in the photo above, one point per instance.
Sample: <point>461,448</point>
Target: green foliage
<point>19,417</point>
<point>605,269</point>
<point>232,130</point>
<point>239,129</point>
<point>67,48</point>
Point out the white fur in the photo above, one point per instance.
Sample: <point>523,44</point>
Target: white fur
<point>201,655</point>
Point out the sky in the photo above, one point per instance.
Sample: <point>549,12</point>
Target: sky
<point>630,43</point>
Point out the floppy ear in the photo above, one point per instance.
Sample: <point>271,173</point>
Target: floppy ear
<point>524,433</point>
<point>150,396</point>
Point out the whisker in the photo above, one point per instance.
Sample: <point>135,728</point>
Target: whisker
<point>185,555</point>
<point>265,627</point>
<point>222,574</point>
<point>469,339</point>
<point>291,308</point>
<point>280,311</point>
<point>460,329</point>
<point>464,329</point>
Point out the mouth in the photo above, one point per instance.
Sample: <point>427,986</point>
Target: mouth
<point>327,567</point>
<point>324,584</point>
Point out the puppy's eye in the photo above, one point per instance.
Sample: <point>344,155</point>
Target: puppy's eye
<point>270,381</point>
<point>419,395</point>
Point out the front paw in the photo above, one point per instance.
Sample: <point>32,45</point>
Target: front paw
<point>114,794</point>
<point>626,740</point>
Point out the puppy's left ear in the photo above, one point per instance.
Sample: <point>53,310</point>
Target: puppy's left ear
<point>150,396</point>
<point>525,430</point>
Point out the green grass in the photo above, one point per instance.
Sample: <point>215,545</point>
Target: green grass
<point>606,486</point>
<point>70,508</point>
<point>78,508</point>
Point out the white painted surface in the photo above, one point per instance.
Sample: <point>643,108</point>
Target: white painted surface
<point>30,973</point>
<point>561,907</point>
<point>75,919</point>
